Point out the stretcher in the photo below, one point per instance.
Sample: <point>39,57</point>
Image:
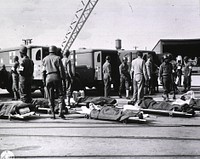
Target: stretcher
<point>16,110</point>
<point>167,113</point>
<point>21,116</point>
<point>86,112</point>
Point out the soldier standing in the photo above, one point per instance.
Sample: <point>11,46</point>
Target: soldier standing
<point>107,76</point>
<point>15,78</point>
<point>165,75</point>
<point>124,77</point>
<point>69,75</point>
<point>187,74</point>
<point>138,69</point>
<point>179,72</point>
<point>53,75</point>
<point>149,67</point>
<point>26,75</point>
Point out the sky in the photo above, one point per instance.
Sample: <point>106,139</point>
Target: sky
<point>138,23</point>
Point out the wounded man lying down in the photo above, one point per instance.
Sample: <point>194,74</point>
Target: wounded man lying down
<point>17,110</point>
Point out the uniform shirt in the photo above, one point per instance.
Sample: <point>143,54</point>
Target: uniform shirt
<point>52,64</point>
<point>67,66</point>
<point>107,70</point>
<point>124,70</point>
<point>26,67</point>
<point>15,67</point>
<point>165,69</point>
<point>138,68</point>
<point>188,69</point>
<point>149,67</point>
<point>179,69</point>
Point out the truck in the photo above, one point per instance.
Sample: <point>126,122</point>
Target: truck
<point>86,65</point>
<point>36,53</point>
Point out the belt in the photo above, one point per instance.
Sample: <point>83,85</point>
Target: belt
<point>52,73</point>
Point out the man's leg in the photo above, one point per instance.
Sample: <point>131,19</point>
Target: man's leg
<point>135,91</point>
<point>140,84</point>
<point>51,98</point>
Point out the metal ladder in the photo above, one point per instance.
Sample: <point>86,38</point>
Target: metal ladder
<point>76,25</point>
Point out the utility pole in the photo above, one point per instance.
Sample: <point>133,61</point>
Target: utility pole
<point>27,41</point>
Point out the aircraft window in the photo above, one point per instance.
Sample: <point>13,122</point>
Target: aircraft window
<point>38,55</point>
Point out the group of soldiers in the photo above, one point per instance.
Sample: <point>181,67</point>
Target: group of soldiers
<point>143,76</point>
<point>57,78</point>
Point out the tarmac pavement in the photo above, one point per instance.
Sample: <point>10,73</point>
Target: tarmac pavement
<point>78,137</point>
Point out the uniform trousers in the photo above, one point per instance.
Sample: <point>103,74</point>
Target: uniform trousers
<point>138,88</point>
<point>107,86</point>
<point>15,86</point>
<point>187,83</point>
<point>25,89</point>
<point>54,88</point>
<point>167,82</point>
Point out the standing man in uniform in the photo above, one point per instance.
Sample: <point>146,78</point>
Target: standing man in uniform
<point>15,78</point>
<point>53,76</point>
<point>69,75</point>
<point>149,67</point>
<point>138,69</point>
<point>26,75</point>
<point>166,77</point>
<point>179,72</point>
<point>107,76</point>
<point>187,74</point>
<point>124,77</point>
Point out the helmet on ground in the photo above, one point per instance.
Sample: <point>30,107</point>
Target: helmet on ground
<point>23,50</point>
<point>52,49</point>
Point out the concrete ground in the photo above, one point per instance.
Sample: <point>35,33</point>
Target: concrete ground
<point>78,137</point>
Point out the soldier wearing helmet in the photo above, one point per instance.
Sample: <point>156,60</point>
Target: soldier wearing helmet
<point>124,77</point>
<point>53,76</point>
<point>26,76</point>
<point>165,75</point>
<point>187,74</point>
<point>174,75</point>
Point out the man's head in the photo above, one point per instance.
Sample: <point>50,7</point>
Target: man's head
<point>170,56</point>
<point>125,59</point>
<point>23,51</point>
<point>108,58</point>
<point>16,58</point>
<point>165,58</point>
<point>139,54</point>
<point>149,56</point>
<point>66,53</point>
<point>53,49</point>
<point>186,59</point>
